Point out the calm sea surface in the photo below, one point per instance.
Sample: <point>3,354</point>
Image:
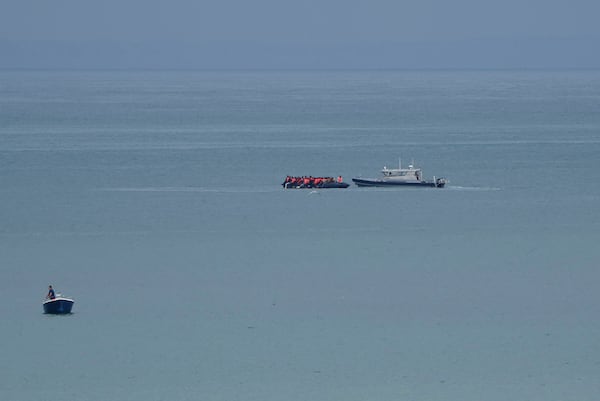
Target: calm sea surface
<point>154,200</point>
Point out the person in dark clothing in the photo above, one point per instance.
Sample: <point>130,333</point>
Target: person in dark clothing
<point>50,293</point>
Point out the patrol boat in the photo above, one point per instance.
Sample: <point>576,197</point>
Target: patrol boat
<point>411,176</point>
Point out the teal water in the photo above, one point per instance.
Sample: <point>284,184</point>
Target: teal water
<point>153,199</point>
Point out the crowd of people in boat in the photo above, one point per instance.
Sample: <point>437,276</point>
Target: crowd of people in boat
<point>309,181</point>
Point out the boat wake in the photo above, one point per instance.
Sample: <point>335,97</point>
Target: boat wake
<point>461,188</point>
<point>187,189</point>
<point>159,231</point>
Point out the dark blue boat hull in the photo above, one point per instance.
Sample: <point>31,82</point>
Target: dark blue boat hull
<point>365,182</point>
<point>58,306</point>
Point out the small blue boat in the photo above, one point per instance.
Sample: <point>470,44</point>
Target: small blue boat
<point>310,182</point>
<point>58,305</point>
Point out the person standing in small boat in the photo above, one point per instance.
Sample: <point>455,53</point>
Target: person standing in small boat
<point>50,293</point>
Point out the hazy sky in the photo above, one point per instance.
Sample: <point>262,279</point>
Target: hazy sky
<point>237,34</point>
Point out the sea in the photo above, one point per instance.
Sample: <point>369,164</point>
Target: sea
<point>154,200</point>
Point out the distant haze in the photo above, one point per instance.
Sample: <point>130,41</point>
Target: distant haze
<point>308,34</point>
